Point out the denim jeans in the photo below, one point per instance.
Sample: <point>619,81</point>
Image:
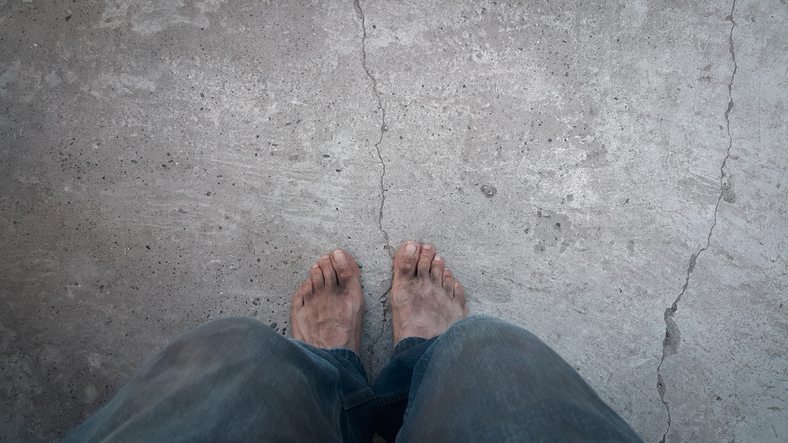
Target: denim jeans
<point>238,380</point>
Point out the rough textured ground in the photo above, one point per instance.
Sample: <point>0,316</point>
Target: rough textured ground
<point>611,176</point>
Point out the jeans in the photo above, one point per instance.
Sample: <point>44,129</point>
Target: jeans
<point>238,380</point>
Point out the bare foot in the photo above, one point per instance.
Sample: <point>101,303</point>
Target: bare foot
<point>425,298</point>
<point>328,307</point>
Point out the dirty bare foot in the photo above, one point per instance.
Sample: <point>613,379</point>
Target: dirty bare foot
<point>425,297</point>
<point>328,307</point>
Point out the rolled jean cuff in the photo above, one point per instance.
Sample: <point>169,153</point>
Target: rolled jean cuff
<point>350,356</point>
<point>405,344</point>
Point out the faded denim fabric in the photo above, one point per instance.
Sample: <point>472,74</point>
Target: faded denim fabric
<point>238,380</point>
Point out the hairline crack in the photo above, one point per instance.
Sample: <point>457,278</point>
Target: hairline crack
<point>383,299</point>
<point>672,334</point>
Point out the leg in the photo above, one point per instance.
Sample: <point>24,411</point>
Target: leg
<point>238,380</point>
<point>487,380</point>
<point>425,301</point>
<point>481,379</point>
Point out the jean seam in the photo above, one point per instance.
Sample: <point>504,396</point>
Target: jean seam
<point>357,398</point>
<point>388,399</point>
<point>347,354</point>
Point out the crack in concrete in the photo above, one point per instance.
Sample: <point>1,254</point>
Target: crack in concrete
<point>383,127</point>
<point>383,299</point>
<point>670,344</point>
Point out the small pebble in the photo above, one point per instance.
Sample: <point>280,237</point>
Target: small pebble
<point>489,191</point>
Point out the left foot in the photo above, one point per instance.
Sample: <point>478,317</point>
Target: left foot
<point>329,306</point>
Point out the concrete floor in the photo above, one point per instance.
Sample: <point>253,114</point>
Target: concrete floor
<point>611,176</point>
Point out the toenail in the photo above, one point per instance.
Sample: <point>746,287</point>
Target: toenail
<point>315,266</point>
<point>339,257</point>
<point>427,247</point>
<point>437,258</point>
<point>324,256</point>
<point>410,248</point>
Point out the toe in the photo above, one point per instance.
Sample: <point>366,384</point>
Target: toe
<point>425,261</point>
<point>317,276</point>
<point>448,280</point>
<point>327,268</point>
<point>436,270</point>
<point>304,293</point>
<point>345,266</point>
<point>459,295</point>
<point>406,259</point>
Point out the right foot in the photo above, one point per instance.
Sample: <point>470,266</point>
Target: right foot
<point>425,297</point>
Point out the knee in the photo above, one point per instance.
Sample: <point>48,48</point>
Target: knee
<point>233,323</point>
<point>234,336</point>
<point>234,326</point>
<point>485,332</point>
<point>484,326</point>
<point>220,348</point>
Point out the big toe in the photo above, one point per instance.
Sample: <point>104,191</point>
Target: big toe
<point>406,259</point>
<point>345,266</point>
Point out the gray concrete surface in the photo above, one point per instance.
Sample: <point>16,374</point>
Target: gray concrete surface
<point>611,176</point>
